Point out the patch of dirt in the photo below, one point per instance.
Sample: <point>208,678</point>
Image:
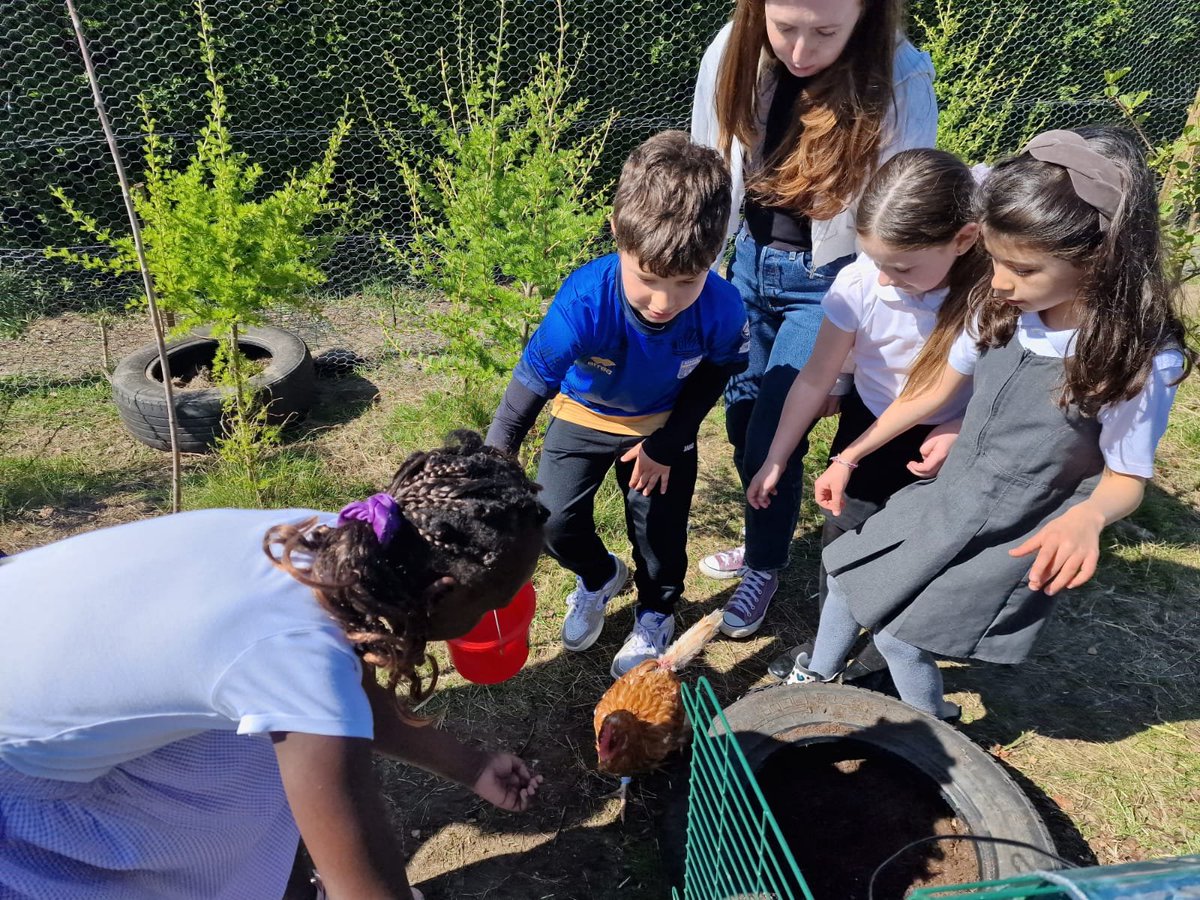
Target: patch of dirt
<point>844,808</point>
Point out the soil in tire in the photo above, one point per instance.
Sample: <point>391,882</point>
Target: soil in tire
<point>844,807</point>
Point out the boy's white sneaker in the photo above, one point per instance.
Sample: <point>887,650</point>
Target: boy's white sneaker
<point>652,632</point>
<point>585,609</point>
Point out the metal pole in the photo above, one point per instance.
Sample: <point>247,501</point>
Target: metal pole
<point>147,280</point>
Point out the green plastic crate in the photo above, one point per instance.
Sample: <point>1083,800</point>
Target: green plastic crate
<point>734,846</point>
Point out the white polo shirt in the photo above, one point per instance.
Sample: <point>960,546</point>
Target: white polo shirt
<point>890,327</point>
<point>120,641</point>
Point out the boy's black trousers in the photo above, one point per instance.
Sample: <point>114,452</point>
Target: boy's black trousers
<point>575,461</point>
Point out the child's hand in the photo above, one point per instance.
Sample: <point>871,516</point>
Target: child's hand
<point>506,782</point>
<point>763,487</point>
<point>830,489</point>
<point>1068,550</point>
<point>935,449</point>
<point>646,472</point>
<point>831,407</point>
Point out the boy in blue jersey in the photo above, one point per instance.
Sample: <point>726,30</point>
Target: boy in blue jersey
<point>632,354</point>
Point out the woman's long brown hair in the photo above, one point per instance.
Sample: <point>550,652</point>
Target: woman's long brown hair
<point>918,199</point>
<point>1128,305</point>
<point>465,507</point>
<point>832,146</point>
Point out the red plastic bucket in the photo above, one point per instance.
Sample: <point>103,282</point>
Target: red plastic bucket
<point>496,648</point>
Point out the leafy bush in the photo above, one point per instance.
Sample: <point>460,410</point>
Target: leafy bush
<point>507,210</point>
<point>219,256</point>
<point>1174,161</point>
<point>220,252</point>
<point>977,96</point>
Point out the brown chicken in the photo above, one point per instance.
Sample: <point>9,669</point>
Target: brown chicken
<point>640,720</point>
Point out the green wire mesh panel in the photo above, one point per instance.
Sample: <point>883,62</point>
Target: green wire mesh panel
<point>735,850</point>
<point>1177,878</point>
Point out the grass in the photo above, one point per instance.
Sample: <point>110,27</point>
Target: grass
<point>30,485</point>
<point>1102,723</point>
<point>290,478</point>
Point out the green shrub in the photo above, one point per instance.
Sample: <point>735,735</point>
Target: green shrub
<point>977,95</point>
<point>1174,161</point>
<point>220,250</point>
<point>508,208</point>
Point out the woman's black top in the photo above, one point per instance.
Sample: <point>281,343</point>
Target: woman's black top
<point>775,225</point>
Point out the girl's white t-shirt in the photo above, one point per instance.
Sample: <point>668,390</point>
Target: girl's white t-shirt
<point>890,327</point>
<point>1129,430</point>
<point>120,641</point>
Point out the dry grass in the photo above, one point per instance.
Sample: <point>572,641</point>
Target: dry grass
<point>1102,725</point>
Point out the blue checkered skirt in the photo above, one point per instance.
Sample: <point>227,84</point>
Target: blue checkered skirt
<point>204,817</point>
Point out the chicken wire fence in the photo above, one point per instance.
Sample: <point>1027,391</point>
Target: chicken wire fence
<point>290,68</point>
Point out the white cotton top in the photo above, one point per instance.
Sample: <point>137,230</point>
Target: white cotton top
<point>911,122</point>
<point>1129,430</point>
<point>890,327</point>
<point>119,641</point>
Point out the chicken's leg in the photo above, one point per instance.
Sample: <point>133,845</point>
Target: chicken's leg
<point>621,793</point>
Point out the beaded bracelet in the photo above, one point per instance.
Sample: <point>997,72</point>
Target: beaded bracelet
<point>845,462</point>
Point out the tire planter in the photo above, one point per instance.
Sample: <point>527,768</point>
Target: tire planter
<point>979,793</point>
<point>287,384</point>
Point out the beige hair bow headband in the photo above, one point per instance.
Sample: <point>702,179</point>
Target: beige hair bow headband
<point>1097,180</point>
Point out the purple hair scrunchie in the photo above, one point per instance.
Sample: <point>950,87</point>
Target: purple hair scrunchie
<point>380,511</point>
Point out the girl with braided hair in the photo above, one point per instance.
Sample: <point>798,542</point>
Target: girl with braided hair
<point>174,703</point>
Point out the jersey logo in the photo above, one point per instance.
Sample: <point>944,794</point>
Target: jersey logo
<point>604,365</point>
<point>688,366</point>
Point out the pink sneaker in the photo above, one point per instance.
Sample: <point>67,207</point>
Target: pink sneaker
<point>726,564</point>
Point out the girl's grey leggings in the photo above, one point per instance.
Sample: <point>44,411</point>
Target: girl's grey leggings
<point>915,671</point>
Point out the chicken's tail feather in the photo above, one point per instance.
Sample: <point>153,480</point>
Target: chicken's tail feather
<point>691,642</point>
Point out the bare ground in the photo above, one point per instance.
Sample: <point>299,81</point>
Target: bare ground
<point>1101,727</point>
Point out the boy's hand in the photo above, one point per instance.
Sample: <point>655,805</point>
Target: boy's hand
<point>935,449</point>
<point>506,782</point>
<point>1068,550</point>
<point>764,485</point>
<point>646,472</point>
<point>830,489</point>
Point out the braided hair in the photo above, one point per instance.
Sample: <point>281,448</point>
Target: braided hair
<point>464,507</point>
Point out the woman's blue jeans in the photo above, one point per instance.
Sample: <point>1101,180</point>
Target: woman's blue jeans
<point>782,292</point>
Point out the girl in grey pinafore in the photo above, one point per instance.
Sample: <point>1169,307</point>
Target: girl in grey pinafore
<point>932,568</point>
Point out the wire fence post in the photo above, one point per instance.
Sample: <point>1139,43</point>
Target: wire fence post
<point>134,225</point>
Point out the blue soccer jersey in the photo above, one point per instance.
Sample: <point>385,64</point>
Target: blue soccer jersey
<point>593,348</point>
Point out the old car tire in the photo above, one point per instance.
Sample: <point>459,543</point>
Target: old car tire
<point>973,784</point>
<point>287,384</point>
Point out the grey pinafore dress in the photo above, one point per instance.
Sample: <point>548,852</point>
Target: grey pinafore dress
<point>932,567</point>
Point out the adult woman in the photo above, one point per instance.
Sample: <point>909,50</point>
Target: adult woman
<point>807,98</point>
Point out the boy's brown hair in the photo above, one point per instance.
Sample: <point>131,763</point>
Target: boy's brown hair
<point>671,210</point>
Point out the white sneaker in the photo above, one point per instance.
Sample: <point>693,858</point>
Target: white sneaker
<point>801,674</point>
<point>651,634</point>
<point>585,609</point>
<point>726,564</point>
